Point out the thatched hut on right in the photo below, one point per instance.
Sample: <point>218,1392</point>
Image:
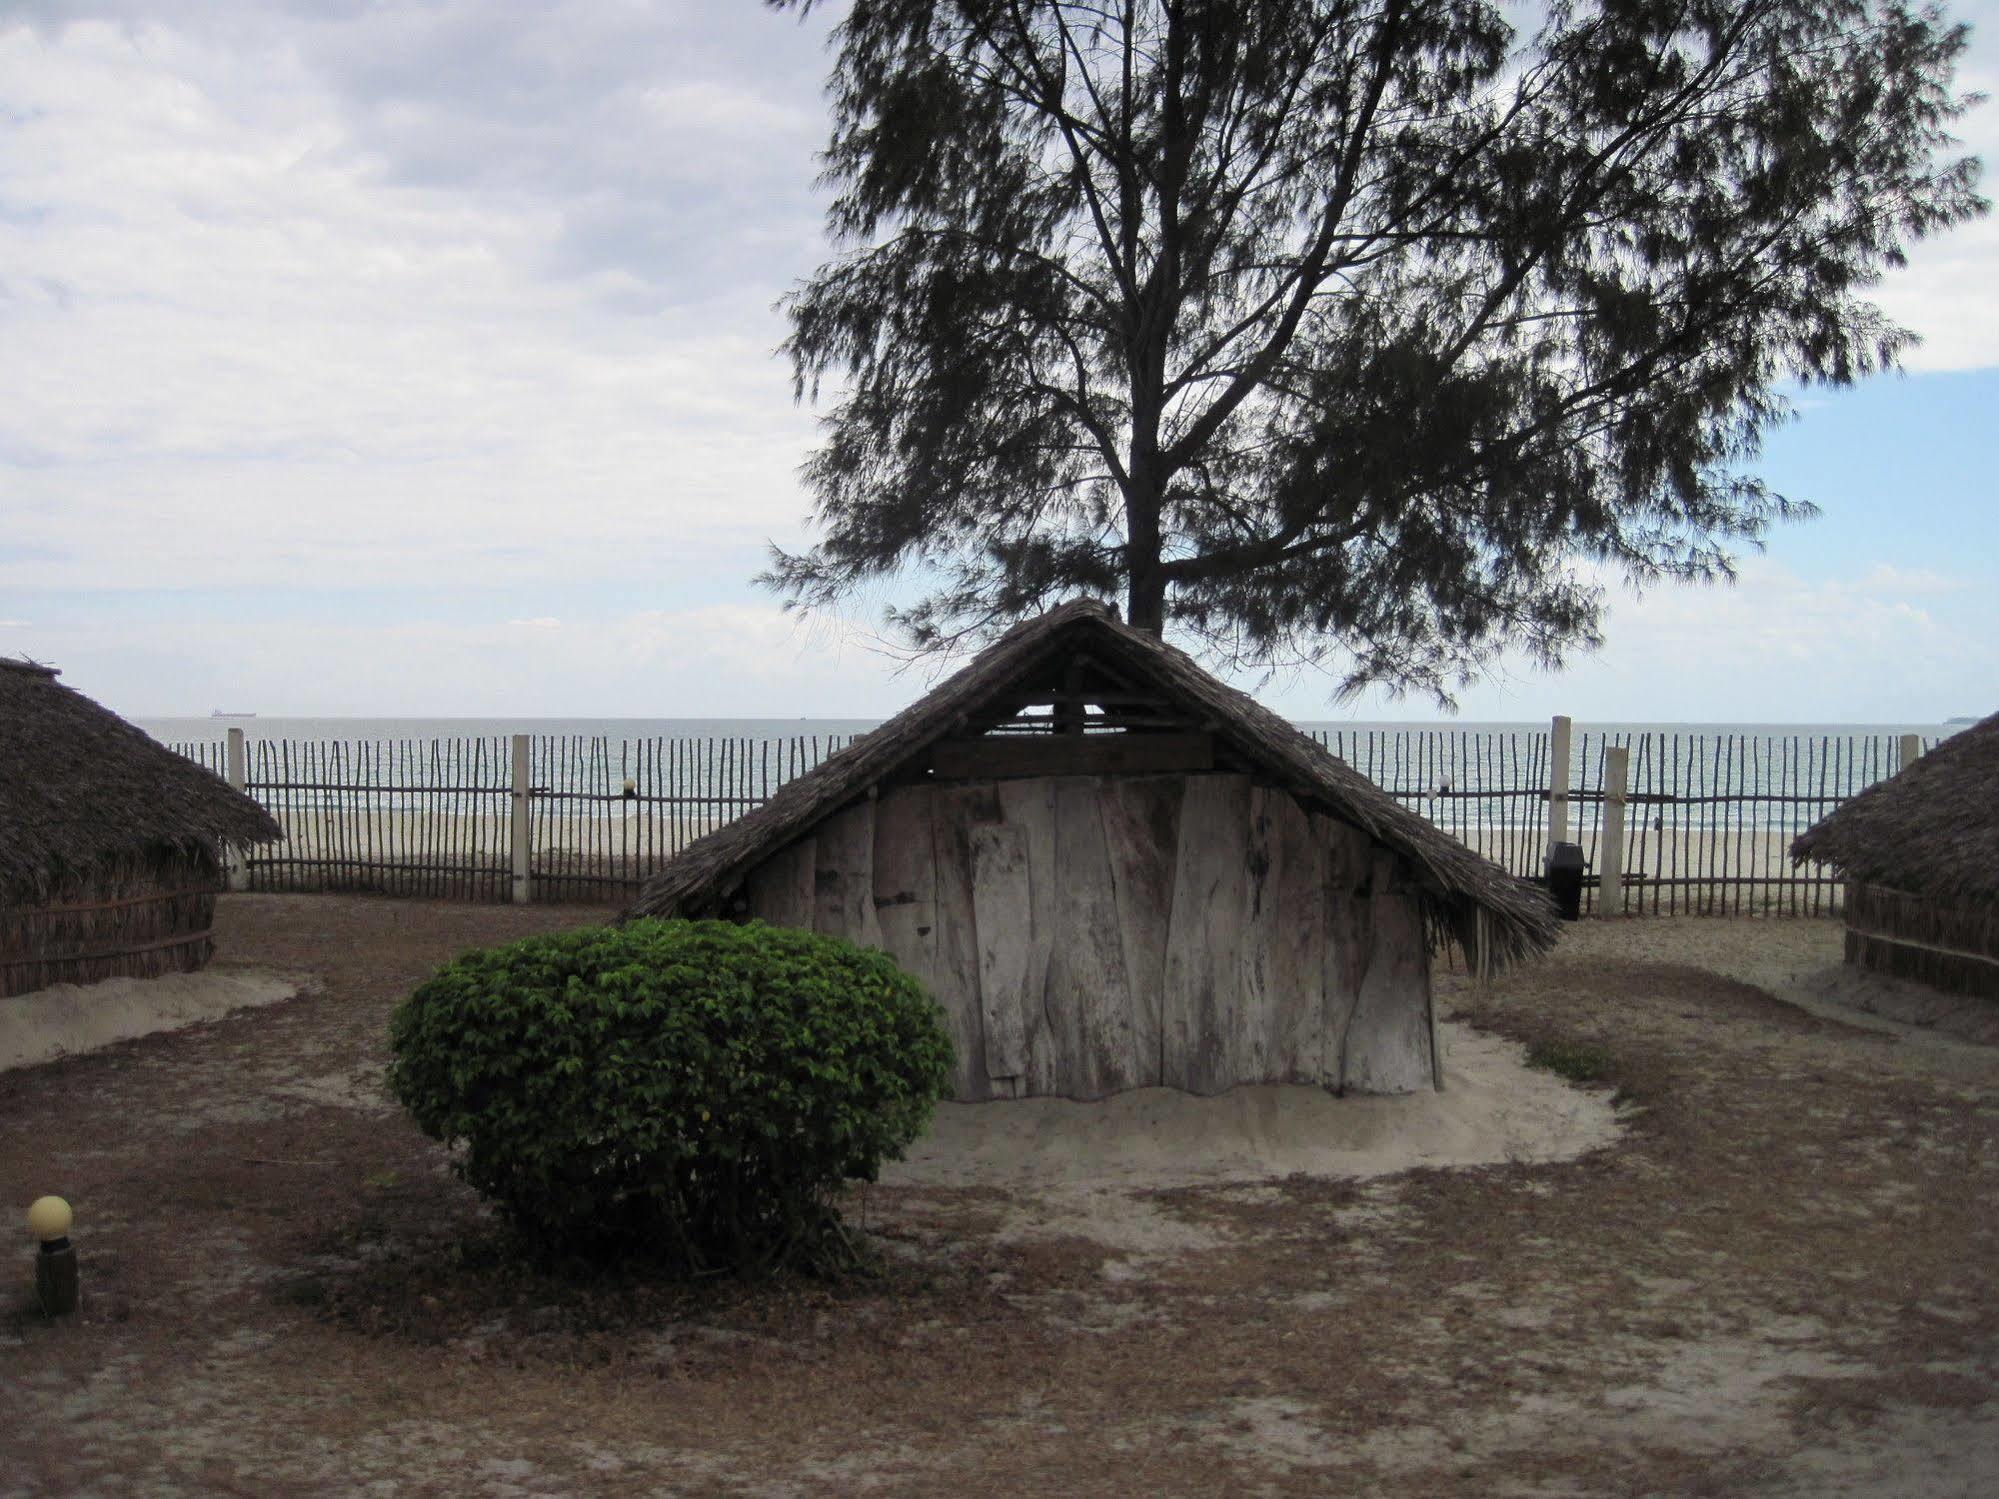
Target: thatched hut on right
<point>1920,855</point>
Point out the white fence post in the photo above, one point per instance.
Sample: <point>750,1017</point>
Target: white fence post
<point>1911,748</point>
<point>518,840</point>
<point>235,865</point>
<point>1558,781</point>
<point>1610,842</point>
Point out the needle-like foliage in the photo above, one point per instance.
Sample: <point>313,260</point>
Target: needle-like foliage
<point>1360,333</point>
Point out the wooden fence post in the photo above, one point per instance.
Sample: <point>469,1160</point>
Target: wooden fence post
<point>1911,747</point>
<point>235,862</point>
<point>518,839</point>
<point>1558,781</point>
<point>1610,841</point>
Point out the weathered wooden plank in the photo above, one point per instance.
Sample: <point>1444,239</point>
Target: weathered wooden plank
<point>843,876</point>
<point>1284,942</point>
<point>1029,805</point>
<point>1259,903</point>
<point>1003,907</point>
<point>781,888</point>
<point>1021,755</point>
<point>1388,1039</point>
<point>1088,999</point>
<point>905,882</point>
<point>1349,855</point>
<point>1141,818</point>
<point>1203,1020</point>
<point>956,811</point>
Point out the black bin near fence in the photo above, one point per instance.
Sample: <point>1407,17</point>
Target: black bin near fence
<point>1565,879</point>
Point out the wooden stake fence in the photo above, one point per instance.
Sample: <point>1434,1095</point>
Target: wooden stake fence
<point>1616,782</point>
<point>1698,823</point>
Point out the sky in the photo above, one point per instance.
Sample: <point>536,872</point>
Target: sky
<point>418,360</point>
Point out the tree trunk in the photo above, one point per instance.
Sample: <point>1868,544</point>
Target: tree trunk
<point>1145,595</point>
<point>1146,476</point>
<point>1145,578</point>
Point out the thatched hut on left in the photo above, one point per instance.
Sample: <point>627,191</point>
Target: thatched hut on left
<point>111,844</point>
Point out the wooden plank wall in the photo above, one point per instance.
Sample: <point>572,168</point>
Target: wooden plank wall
<point>1089,934</point>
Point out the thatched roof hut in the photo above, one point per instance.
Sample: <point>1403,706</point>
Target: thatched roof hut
<point>110,843</point>
<point>1920,854</point>
<point>1114,870</point>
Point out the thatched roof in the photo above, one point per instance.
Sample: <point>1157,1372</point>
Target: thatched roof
<point>1458,883</point>
<point>79,784</point>
<point>1930,829</point>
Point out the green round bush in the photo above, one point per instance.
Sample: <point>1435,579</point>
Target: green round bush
<point>698,1090</point>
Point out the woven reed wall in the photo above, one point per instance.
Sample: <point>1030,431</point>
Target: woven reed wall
<point>137,918</point>
<point>1939,943</point>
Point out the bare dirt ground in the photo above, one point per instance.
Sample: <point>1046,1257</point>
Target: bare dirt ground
<point>1779,1280</point>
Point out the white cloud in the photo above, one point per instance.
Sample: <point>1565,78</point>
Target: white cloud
<point>1885,578</point>
<point>243,348</point>
<point>1773,648</point>
<point>1949,295</point>
<point>321,295</point>
<point>1884,646</point>
<point>720,661</point>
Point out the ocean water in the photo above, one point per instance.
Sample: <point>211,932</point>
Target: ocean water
<point>215,729</point>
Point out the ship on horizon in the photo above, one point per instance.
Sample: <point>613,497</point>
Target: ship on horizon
<point>218,713</point>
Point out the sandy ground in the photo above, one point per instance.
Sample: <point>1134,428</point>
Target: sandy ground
<point>342,833</point>
<point>636,841</point>
<point>1778,1277</point>
<point>1095,1170</point>
<point>1494,1109</point>
<point>65,1019</point>
<point>1667,864</point>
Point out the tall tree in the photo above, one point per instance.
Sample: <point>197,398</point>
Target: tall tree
<point>1351,332</point>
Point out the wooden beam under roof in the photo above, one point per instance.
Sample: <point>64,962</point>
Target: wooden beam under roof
<point>1008,756</point>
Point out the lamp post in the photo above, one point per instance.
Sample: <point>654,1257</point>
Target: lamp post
<point>49,1219</point>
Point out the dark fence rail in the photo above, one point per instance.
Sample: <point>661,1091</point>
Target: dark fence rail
<point>1709,817</point>
<point>604,814</point>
